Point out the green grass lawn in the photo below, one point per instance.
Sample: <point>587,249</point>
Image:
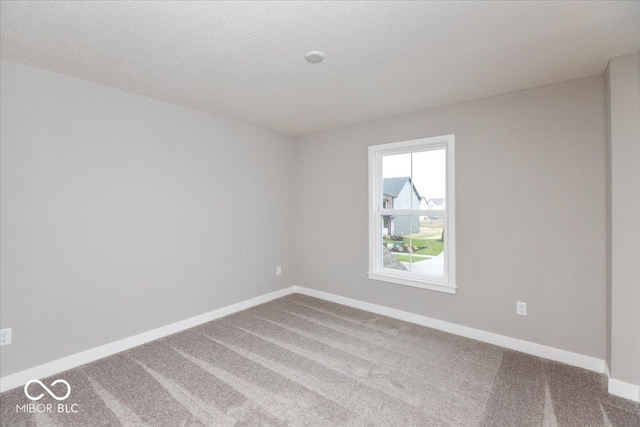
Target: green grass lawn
<point>407,258</point>
<point>430,246</point>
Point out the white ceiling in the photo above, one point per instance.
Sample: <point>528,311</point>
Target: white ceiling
<point>246,61</point>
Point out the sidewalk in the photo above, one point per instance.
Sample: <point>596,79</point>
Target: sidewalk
<point>429,267</point>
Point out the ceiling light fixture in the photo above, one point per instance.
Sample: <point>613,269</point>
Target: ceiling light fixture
<point>314,56</point>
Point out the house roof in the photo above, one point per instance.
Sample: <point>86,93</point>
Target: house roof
<point>438,202</point>
<point>393,186</point>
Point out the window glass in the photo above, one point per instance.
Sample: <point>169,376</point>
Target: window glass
<point>413,234</point>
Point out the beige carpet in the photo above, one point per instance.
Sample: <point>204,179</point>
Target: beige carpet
<point>307,362</point>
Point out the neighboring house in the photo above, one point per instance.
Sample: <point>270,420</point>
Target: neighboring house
<point>424,205</point>
<point>435,204</point>
<point>400,193</point>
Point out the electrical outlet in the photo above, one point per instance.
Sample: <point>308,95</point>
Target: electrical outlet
<point>5,336</point>
<point>278,270</point>
<point>521,308</point>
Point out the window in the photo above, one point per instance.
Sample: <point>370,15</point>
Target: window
<point>411,213</point>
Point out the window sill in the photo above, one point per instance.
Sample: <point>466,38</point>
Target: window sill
<point>422,284</point>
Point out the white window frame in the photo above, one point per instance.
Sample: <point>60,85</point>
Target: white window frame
<point>376,212</point>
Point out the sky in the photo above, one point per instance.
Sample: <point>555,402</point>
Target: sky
<point>427,168</point>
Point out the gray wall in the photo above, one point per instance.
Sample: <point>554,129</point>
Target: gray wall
<point>530,177</point>
<point>121,214</point>
<point>623,222</point>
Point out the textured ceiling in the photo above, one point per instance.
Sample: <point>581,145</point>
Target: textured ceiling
<point>246,61</point>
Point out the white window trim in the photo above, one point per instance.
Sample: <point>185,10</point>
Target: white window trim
<point>376,271</point>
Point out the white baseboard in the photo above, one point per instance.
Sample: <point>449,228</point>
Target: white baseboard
<point>597,365</point>
<point>21,378</point>
<point>563,356</point>
<point>623,389</point>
